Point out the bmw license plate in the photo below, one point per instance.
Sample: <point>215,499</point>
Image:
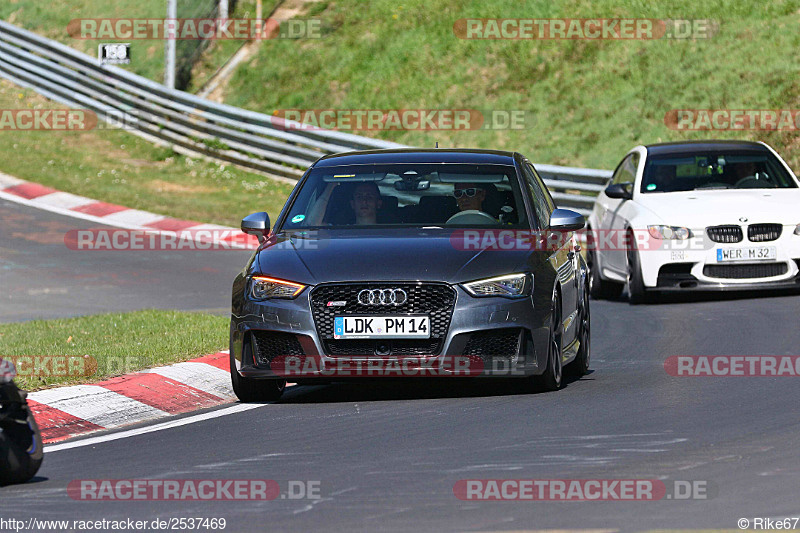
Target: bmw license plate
<point>756,253</point>
<point>378,327</point>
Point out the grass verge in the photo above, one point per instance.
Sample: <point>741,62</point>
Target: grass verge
<point>118,167</point>
<point>91,348</point>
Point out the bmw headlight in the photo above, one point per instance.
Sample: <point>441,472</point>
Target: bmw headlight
<point>510,286</point>
<point>264,288</point>
<point>669,232</point>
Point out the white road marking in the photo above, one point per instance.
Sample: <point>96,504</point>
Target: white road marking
<point>97,405</point>
<point>7,181</point>
<point>67,212</point>
<point>202,376</point>
<point>91,441</point>
<point>64,200</point>
<point>133,216</point>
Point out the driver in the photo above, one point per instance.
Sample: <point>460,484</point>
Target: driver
<point>746,170</point>
<point>366,202</point>
<point>469,196</point>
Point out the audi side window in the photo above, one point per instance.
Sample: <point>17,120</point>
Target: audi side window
<point>539,203</point>
<point>551,205</point>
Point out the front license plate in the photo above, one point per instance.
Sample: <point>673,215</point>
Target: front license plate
<point>756,253</point>
<point>377,327</point>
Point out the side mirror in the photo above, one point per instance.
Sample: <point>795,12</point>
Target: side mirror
<point>256,224</point>
<point>620,191</point>
<point>566,220</point>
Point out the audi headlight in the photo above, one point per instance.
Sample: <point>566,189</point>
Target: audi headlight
<point>669,232</point>
<point>510,286</point>
<point>264,288</point>
<point>797,230</point>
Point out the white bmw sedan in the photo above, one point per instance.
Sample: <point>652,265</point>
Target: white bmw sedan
<point>707,215</point>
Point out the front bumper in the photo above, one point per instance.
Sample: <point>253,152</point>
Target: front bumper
<point>693,265</point>
<point>497,335</point>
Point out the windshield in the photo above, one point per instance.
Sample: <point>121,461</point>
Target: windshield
<point>739,170</point>
<point>409,194</point>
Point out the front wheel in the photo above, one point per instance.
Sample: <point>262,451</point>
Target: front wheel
<point>254,390</point>
<point>550,380</point>
<point>580,365</point>
<point>637,293</point>
<point>599,288</point>
<point>21,448</point>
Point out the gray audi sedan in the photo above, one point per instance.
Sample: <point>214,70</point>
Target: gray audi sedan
<point>412,263</point>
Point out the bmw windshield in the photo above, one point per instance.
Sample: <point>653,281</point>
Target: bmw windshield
<point>694,171</point>
<point>408,194</point>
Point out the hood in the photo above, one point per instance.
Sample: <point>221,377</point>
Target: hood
<point>699,209</point>
<point>396,254</point>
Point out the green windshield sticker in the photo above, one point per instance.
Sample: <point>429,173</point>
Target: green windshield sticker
<point>651,187</point>
<point>298,218</point>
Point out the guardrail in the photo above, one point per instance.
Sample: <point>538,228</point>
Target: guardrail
<point>194,125</point>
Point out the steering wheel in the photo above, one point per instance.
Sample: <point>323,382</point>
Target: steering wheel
<point>755,182</point>
<point>472,216</point>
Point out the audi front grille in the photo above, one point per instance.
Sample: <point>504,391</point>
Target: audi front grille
<point>725,234</point>
<point>764,232</point>
<point>436,300</point>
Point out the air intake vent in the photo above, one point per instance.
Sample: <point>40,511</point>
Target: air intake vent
<point>765,270</point>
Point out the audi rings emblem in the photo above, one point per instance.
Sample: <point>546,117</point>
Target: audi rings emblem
<point>382,297</point>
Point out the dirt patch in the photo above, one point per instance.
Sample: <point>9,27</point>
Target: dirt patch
<point>216,87</point>
<point>165,186</point>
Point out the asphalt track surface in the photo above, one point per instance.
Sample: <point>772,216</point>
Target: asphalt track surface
<point>387,454</point>
<point>40,277</point>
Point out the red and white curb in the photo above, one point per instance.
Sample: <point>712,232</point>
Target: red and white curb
<point>66,412</point>
<point>64,203</point>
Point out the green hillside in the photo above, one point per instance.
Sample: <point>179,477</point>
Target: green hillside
<point>586,102</point>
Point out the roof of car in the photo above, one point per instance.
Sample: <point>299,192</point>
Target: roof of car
<point>703,146</point>
<point>417,155</point>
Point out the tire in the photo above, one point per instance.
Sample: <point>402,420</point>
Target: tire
<point>599,288</point>
<point>21,452</point>
<point>254,390</point>
<point>637,293</point>
<point>580,365</point>
<point>551,378</point>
